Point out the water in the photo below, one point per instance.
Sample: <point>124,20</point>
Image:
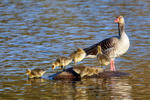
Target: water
<point>34,33</point>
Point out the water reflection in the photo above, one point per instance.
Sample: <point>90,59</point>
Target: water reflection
<point>36,80</point>
<point>120,89</point>
<point>115,89</point>
<point>92,89</point>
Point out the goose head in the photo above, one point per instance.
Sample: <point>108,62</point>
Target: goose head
<point>119,20</point>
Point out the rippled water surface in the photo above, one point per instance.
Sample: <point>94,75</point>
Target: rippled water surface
<point>33,33</point>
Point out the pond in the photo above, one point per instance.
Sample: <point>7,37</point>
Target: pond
<point>33,33</point>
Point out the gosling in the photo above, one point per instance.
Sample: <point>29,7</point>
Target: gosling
<point>87,71</point>
<point>78,55</point>
<point>61,62</point>
<point>35,73</point>
<point>101,58</point>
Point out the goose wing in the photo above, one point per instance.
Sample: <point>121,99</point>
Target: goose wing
<point>105,44</point>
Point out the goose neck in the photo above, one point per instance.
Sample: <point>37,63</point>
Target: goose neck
<point>121,28</point>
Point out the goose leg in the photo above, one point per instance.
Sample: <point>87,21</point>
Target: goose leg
<point>112,66</point>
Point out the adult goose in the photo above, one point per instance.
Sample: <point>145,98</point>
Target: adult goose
<point>114,46</point>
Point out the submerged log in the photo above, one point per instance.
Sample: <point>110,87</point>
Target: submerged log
<point>78,72</point>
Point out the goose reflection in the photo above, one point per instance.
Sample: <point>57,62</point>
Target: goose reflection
<point>120,89</point>
<point>114,88</point>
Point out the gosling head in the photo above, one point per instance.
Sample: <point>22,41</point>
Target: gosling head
<point>99,49</point>
<point>28,71</point>
<point>79,49</point>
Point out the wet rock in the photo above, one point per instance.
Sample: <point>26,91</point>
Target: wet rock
<point>78,72</point>
<point>68,74</point>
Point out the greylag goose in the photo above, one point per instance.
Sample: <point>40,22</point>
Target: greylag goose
<point>62,62</point>
<point>114,46</point>
<point>103,59</point>
<point>78,55</point>
<point>35,73</point>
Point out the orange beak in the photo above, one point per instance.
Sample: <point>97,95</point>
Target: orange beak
<point>116,20</point>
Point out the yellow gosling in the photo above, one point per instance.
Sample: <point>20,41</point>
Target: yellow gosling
<point>87,71</point>
<point>101,58</point>
<point>78,55</point>
<point>35,73</point>
<point>61,62</point>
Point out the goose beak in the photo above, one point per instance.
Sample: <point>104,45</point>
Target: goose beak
<point>116,20</point>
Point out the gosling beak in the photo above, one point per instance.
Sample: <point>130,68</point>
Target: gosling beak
<point>53,67</point>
